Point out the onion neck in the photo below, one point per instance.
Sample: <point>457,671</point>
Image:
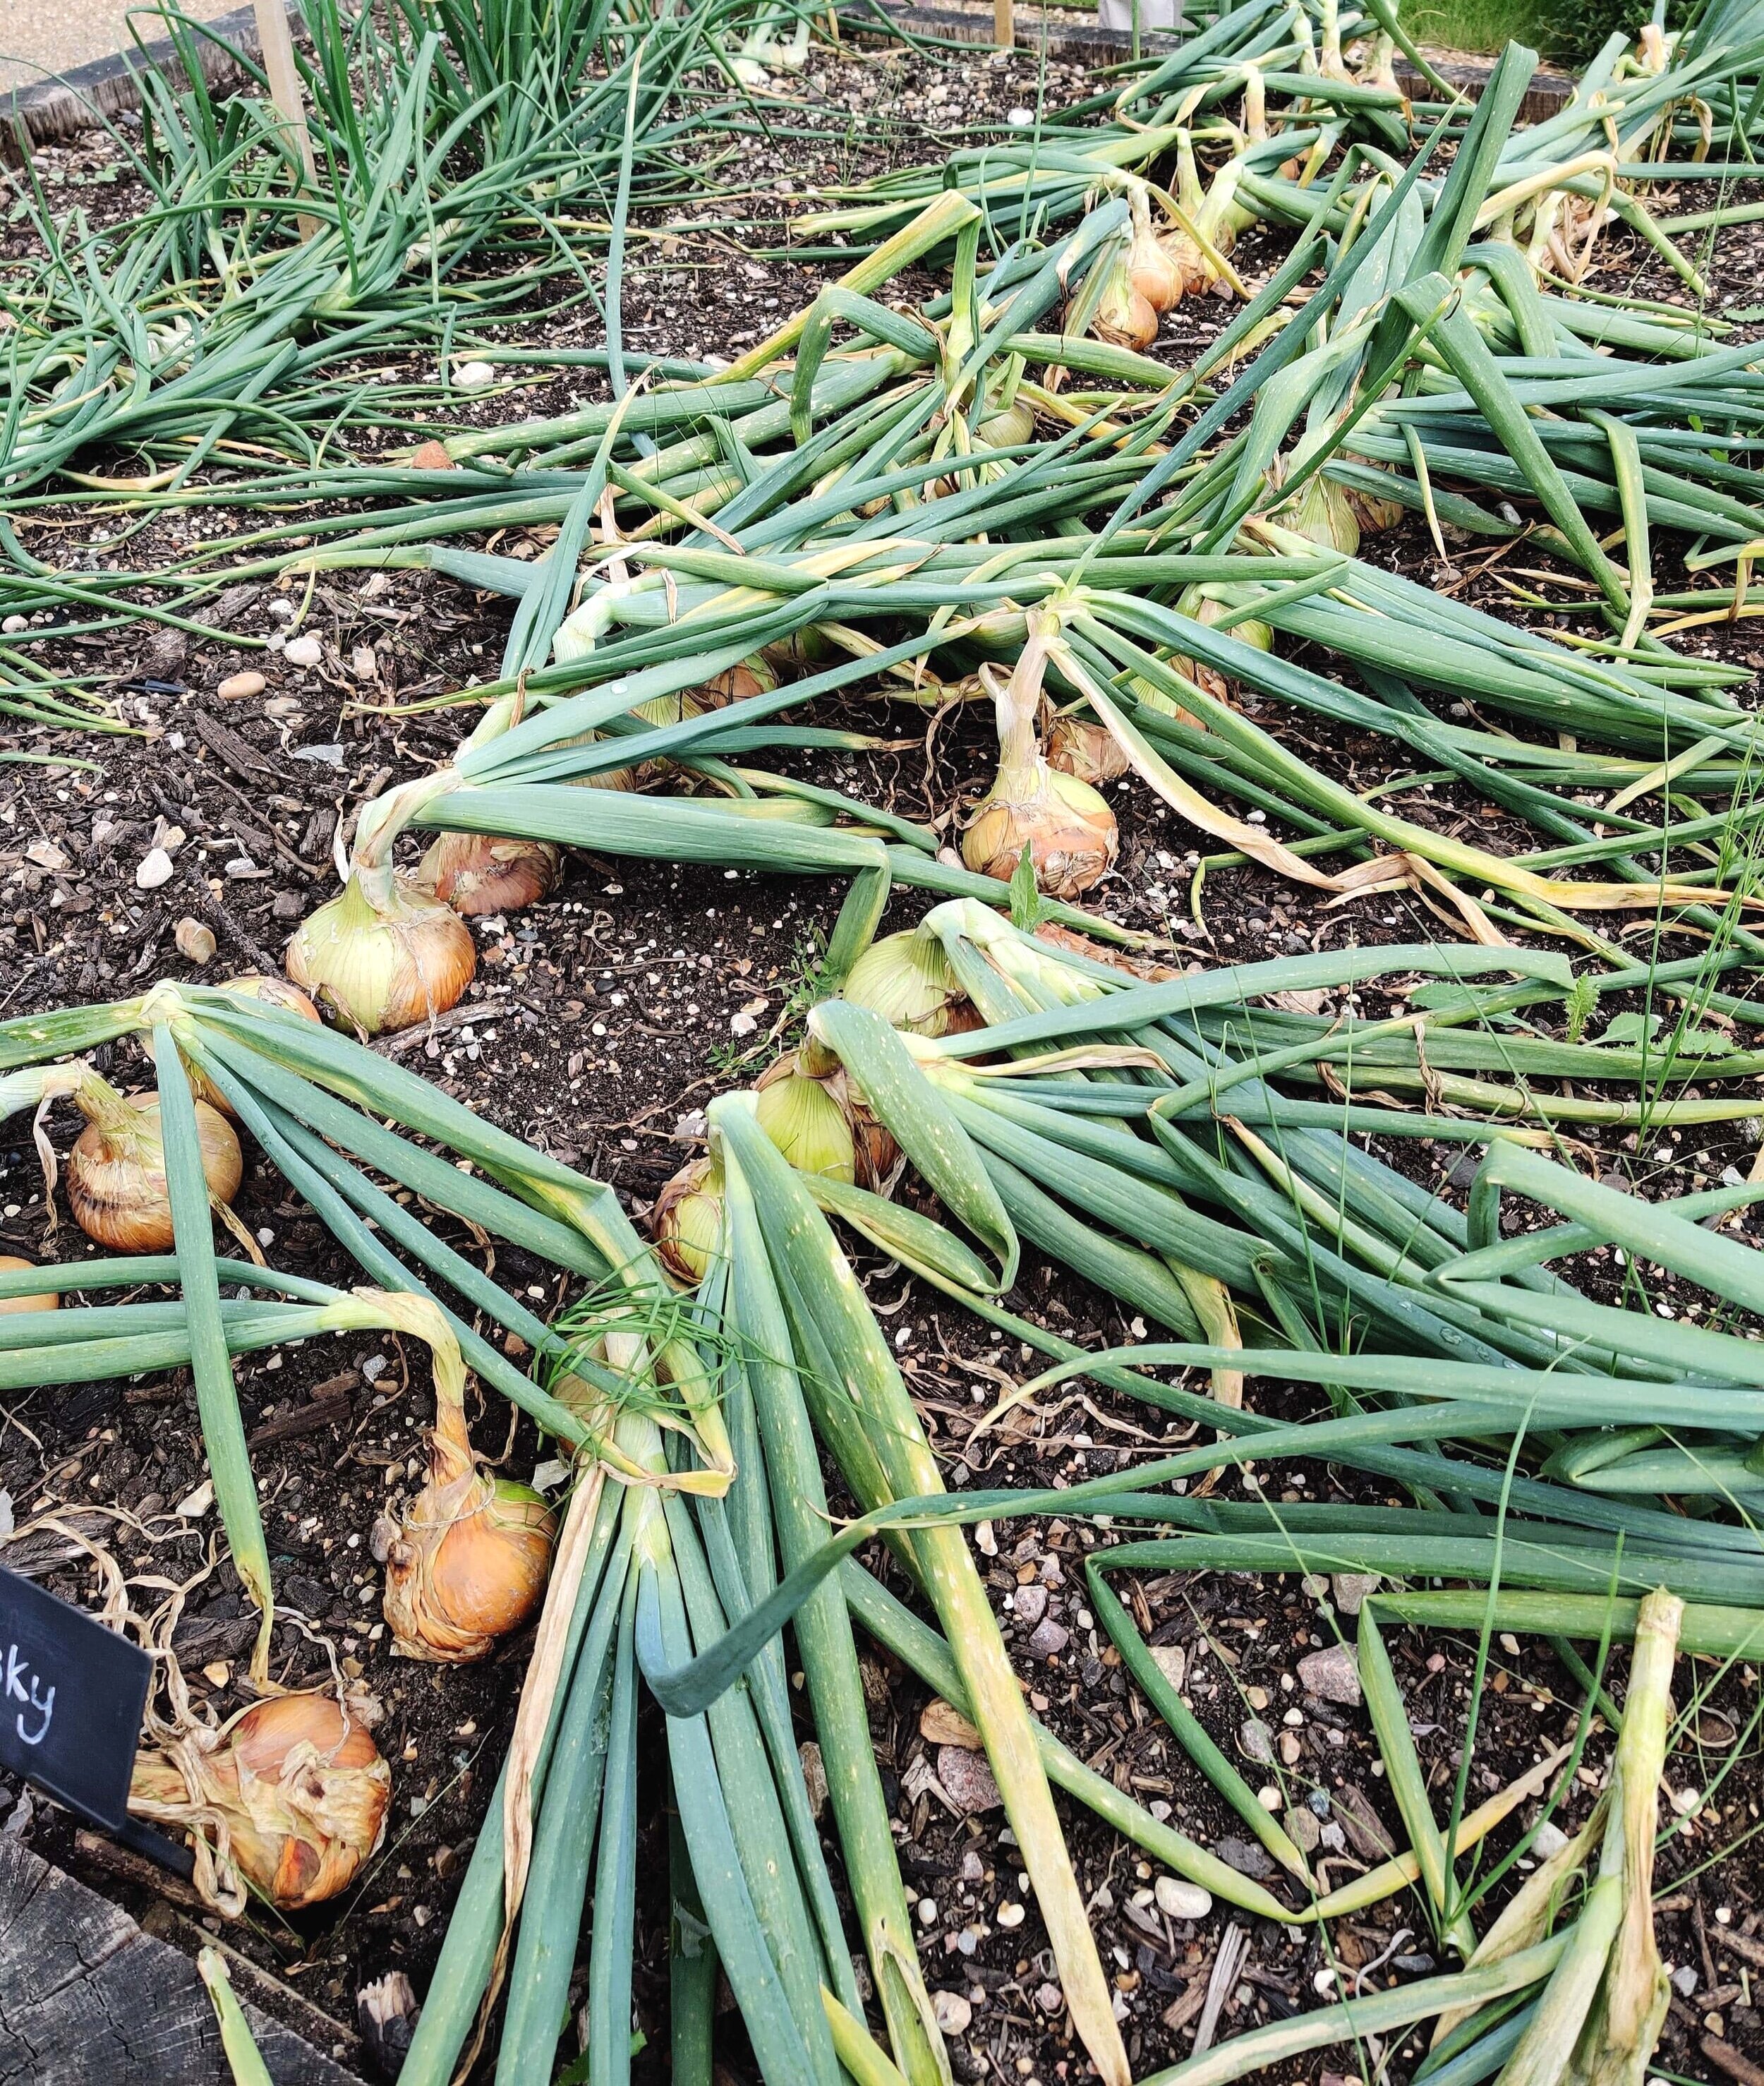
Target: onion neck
<point>1020,764</point>
<point>382,821</point>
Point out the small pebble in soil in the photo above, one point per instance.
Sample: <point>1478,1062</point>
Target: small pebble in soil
<point>953,2012</point>
<point>1332,1675</point>
<point>1009,1914</point>
<point>1256,1741</point>
<point>473,376</point>
<point>1268,1797</point>
<point>153,869</point>
<point>195,942</point>
<point>1182,1900</point>
<point>813,1776</point>
<point>1351,1588</point>
<point>302,651</point>
<point>967,1780</point>
<point>237,686</point>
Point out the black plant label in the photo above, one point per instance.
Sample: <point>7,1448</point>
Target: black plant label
<point>71,1696</point>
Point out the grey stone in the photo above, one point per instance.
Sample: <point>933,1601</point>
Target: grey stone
<point>1246,1858</point>
<point>1048,1640</point>
<point>967,1780</point>
<point>1332,1675</point>
<point>1256,1741</point>
<point>1030,1603</point>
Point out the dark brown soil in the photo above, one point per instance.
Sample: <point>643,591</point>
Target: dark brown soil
<point>599,1025</point>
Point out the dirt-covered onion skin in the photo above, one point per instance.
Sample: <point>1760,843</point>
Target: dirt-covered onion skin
<point>47,1300</point>
<point>1068,828</point>
<point>116,1172</point>
<point>1077,746</point>
<point>296,1781</point>
<point>382,963</point>
<point>483,873</point>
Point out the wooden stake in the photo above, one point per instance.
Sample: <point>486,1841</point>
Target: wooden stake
<point>278,42</point>
<point>1004,25</point>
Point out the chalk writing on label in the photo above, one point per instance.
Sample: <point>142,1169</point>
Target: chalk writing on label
<point>40,1703</point>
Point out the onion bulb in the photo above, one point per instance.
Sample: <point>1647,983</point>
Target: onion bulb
<point>1079,746</point>
<point>1068,828</point>
<point>804,1122</point>
<point>1123,317</point>
<point>290,1797</point>
<point>48,1300</point>
<point>267,992</point>
<point>1008,428</point>
<point>906,979</point>
<point>1204,608</point>
<point>116,1172</point>
<point>1150,269</point>
<point>806,1104</point>
<point>468,1561</point>
<point>1322,514</point>
<point>477,873</point>
<point>382,954</point>
<point>686,1221</point>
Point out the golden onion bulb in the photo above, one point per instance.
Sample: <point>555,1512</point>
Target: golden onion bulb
<point>1154,272</point>
<point>906,979</point>
<point>1068,829</point>
<point>1322,513</point>
<point>468,1562</point>
<point>1079,746</point>
<point>686,1221</point>
<point>477,873</point>
<point>47,1300</point>
<point>385,958</point>
<point>1124,317</point>
<point>116,1172</point>
<point>1067,826</point>
<point>292,1793</point>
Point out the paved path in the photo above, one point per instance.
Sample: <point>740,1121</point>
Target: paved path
<point>38,37</point>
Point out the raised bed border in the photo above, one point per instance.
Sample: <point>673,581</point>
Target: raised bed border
<point>57,109</point>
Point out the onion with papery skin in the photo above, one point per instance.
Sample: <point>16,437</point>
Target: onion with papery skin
<point>1322,513</point>
<point>116,1172</point>
<point>1079,746</point>
<point>268,992</point>
<point>686,1221</point>
<point>1123,317</point>
<point>1150,269</point>
<point>291,1795</point>
<point>47,1300</point>
<point>802,1118</point>
<point>468,1561</point>
<point>906,979</point>
<point>477,873</point>
<point>382,954</point>
<point>1068,828</point>
<point>1203,607</point>
<point>1009,428</point>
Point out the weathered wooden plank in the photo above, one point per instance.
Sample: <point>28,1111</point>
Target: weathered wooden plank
<point>88,1999</point>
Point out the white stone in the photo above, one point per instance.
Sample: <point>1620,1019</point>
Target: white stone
<point>953,2012</point>
<point>302,651</point>
<point>473,376</point>
<point>153,869</point>
<point>1182,1900</point>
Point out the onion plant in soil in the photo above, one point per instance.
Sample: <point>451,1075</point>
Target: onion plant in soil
<point>946,1886</point>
